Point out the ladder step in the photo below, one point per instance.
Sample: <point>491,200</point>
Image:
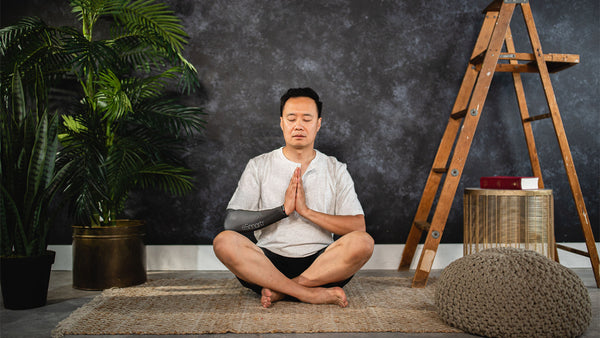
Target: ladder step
<point>459,114</point>
<point>557,66</point>
<point>557,62</point>
<point>554,62</point>
<point>573,250</point>
<point>538,117</point>
<point>548,57</point>
<point>423,225</point>
<point>493,7</point>
<point>496,4</point>
<point>553,67</point>
<point>518,68</point>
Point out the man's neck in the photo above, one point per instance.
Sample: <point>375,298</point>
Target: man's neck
<point>300,155</point>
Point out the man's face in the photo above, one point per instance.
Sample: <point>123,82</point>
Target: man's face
<point>300,122</point>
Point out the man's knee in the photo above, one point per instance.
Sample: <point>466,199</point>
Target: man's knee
<point>221,237</point>
<point>223,242</point>
<point>367,243</point>
<point>362,244</point>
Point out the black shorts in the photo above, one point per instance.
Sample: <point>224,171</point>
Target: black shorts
<point>291,267</point>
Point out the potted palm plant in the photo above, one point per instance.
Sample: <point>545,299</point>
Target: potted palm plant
<point>28,183</point>
<point>122,126</point>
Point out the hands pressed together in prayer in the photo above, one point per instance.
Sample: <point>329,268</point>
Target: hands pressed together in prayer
<point>294,195</point>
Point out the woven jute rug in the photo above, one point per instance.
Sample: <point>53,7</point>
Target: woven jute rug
<point>197,306</point>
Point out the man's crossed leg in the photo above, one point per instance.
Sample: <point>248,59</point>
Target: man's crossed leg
<point>315,285</point>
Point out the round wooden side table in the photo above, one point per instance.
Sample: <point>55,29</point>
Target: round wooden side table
<point>509,218</point>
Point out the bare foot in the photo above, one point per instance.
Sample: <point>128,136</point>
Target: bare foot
<point>334,295</point>
<point>339,296</point>
<point>268,297</point>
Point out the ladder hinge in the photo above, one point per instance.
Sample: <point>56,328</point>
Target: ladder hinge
<point>478,58</point>
<point>538,117</point>
<point>422,225</point>
<point>459,114</point>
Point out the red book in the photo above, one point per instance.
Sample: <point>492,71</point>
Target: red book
<point>508,182</point>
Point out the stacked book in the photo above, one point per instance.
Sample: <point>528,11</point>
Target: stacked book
<point>508,182</point>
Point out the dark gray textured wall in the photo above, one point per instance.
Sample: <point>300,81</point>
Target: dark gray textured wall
<point>388,73</point>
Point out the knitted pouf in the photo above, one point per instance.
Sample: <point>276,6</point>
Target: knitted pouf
<point>508,292</point>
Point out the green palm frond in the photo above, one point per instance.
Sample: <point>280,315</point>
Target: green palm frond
<point>73,125</point>
<point>137,53</point>
<point>86,176</point>
<point>111,97</point>
<point>89,56</point>
<point>28,36</point>
<point>34,50</point>
<point>189,80</point>
<point>123,161</point>
<point>24,27</point>
<point>154,19</point>
<point>153,86</point>
<point>171,116</point>
<point>166,178</point>
<point>89,9</point>
<point>162,32</point>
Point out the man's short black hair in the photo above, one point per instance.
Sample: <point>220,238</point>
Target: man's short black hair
<point>300,92</point>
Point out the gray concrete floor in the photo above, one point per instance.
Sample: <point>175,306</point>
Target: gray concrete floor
<point>63,299</point>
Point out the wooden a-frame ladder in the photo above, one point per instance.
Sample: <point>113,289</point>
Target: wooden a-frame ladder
<point>457,138</point>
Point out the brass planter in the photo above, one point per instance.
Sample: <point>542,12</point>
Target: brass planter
<point>111,256</point>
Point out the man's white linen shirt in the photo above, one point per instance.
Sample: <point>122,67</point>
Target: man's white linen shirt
<point>328,189</point>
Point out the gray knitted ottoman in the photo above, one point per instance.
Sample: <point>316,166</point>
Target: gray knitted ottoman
<point>508,292</point>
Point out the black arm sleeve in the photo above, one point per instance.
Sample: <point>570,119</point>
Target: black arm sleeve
<point>244,220</point>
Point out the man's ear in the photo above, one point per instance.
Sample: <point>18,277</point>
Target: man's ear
<point>319,123</point>
<point>281,123</point>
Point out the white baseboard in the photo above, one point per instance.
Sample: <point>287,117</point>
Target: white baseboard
<point>385,257</point>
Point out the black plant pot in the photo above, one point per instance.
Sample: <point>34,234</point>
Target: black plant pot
<point>25,280</point>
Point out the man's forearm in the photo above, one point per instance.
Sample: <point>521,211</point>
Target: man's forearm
<point>245,220</point>
<point>337,224</point>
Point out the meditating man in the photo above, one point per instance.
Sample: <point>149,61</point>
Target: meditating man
<point>294,199</point>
